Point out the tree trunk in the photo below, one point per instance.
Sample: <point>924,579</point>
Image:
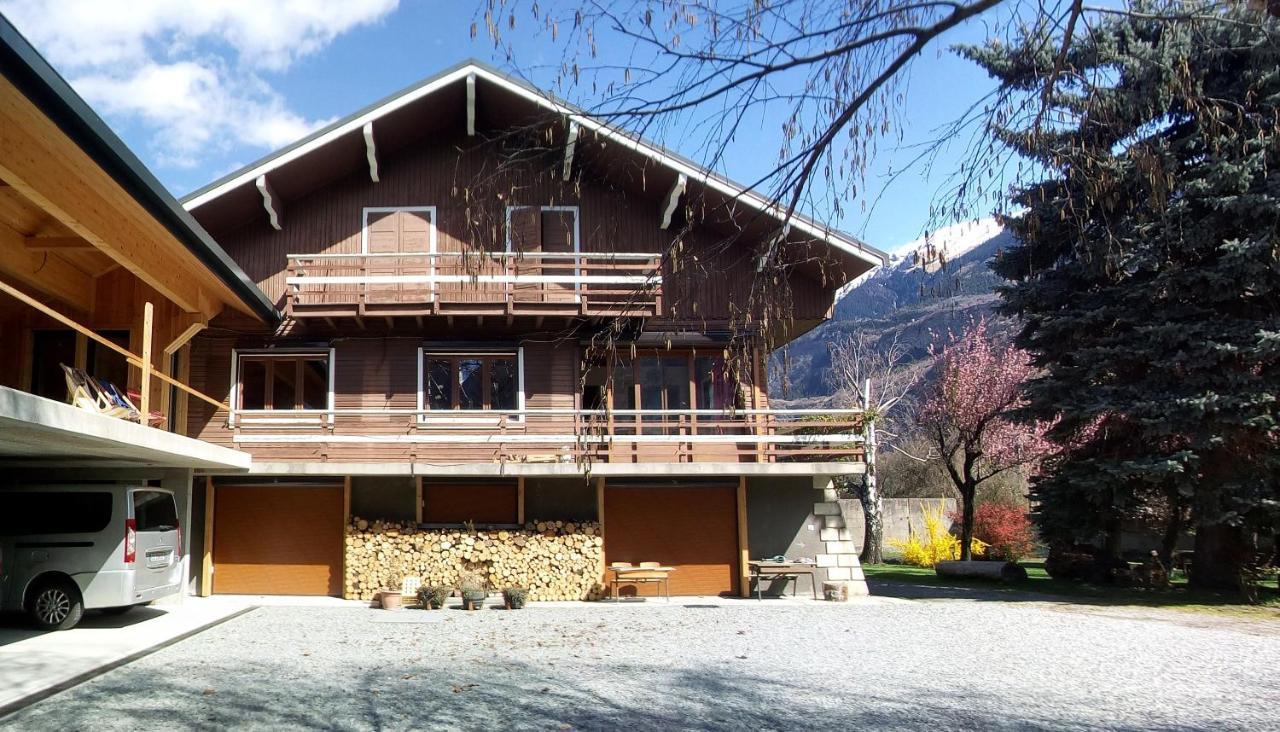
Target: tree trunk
<point>967,495</point>
<point>1172,532</point>
<point>1114,528</point>
<point>873,522</point>
<point>1219,557</point>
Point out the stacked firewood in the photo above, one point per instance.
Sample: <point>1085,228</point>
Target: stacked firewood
<point>554,560</point>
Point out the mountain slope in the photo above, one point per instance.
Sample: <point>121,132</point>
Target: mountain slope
<point>933,284</point>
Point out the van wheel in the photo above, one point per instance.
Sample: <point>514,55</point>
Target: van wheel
<point>56,605</point>
<point>121,610</point>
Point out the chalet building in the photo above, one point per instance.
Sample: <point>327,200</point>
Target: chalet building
<point>468,327</point>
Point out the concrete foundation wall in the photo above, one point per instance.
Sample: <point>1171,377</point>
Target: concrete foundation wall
<point>571,499</point>
<point>389,498</point>
<point>780,520</point>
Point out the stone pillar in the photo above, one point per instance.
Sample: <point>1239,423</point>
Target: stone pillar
<point>840,554</point>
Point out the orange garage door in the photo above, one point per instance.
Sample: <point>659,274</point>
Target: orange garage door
<point>275,540</point>
<point>691,528</point>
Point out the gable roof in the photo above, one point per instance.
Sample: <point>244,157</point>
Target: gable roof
<point>31,74</point>
<point>352,124</point>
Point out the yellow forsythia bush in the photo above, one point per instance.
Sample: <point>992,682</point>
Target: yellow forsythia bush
<point>936,545</point>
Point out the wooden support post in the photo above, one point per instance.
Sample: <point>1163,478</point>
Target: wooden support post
<point>82,352</point>
<point>144,402</point>
<point>604,561</point>
<point>417,511</point>
<point>520,500</point>
<point>346,525</point>
<point>744,552</point>
<point>206,562</point>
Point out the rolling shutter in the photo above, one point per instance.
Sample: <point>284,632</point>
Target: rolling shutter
<point>277,540</point>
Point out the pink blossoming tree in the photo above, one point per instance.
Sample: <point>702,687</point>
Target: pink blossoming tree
<point>966,416</point>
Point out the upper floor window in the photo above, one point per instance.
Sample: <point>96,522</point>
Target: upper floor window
<point>550,229</point>
<point>472,382</point>
<point>399,230</point>
<point>283,381</point>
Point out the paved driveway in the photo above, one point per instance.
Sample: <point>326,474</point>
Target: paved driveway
<point>882,663</point>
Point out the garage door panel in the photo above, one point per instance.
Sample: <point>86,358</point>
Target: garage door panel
<point>693,529</point>
<point>277,540</point>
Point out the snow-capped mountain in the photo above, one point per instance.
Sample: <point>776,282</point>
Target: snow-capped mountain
<point>930,284</point>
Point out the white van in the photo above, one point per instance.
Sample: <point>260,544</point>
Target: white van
<point>68,548</point>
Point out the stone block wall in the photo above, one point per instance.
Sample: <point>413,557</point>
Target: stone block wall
<point>555,560</point>
<point>839,553</point>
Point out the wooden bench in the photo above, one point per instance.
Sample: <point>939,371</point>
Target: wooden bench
<point>643,573</point>
<point>786,570</point>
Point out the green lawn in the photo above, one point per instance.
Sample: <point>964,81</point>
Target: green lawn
<point>1038,581</point>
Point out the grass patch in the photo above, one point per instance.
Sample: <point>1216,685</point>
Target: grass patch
<point>1177,597</point>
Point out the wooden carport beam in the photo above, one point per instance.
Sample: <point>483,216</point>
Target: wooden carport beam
<point>56,243</point>
<point>371,151</point>
<point>471,105</point>
<point>673,200</point>
<point>39,161</point>
<point>570,144</point>
<point>42,271</point>
<point>194,326</point>
<point>271,202</point>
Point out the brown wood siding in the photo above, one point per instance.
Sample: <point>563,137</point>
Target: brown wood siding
<point>376,372</point>
<point>276,540</point>
<point>711,274</point>
<point>693,529</point>
<point>481,503</point>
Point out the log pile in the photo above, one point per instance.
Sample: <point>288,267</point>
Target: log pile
<point>555,560</point>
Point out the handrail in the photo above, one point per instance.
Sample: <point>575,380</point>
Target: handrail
<point>552,412</point>
<point>130,357</point>
<point>495,255</point>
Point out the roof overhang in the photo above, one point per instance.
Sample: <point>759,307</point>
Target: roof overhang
<point>38,432</point>
<point>355,125</point>
<point>67,160</point>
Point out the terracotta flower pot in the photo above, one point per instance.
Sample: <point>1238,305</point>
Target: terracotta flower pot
<point>392,600</point>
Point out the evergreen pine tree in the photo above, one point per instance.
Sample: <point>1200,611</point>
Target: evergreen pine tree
<point>1146,269</point>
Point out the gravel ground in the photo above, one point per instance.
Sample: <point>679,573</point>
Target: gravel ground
<point>882,663</point>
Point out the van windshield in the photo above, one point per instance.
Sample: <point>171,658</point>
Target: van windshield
<point>154,511</point>
<point>50,512</point>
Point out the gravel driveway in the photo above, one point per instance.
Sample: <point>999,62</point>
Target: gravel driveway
<point>883,663</point>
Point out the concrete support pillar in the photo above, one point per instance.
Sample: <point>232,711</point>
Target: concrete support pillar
<point>179,480</point>
<point>839,556</point>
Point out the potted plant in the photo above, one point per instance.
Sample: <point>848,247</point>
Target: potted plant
<point>393,598</point>
<point>514,597</point>
<point>473,590</point>
<point>433,597</point>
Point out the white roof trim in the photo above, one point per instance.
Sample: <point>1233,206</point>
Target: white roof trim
<point>693,172</point>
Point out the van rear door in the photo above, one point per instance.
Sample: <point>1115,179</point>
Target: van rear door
<point>158,553</point>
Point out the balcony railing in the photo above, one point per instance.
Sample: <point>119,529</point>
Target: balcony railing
<point>568,435</point>
<point>474,283</point>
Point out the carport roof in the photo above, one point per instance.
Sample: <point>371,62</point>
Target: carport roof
<point>35,432</point>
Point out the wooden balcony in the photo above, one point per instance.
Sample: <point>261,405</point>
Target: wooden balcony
<point>475,283</point>
<point>555,435</point>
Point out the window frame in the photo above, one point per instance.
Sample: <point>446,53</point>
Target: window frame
<point>234,416</point>
<point>468,417</point>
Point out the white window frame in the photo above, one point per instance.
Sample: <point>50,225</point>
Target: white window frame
<point>233,400</point>
<point>468,417</point>
<point>577,238</point>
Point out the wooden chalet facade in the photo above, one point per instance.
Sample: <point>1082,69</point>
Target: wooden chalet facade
<point>449,262</point>
<point>466,308</point>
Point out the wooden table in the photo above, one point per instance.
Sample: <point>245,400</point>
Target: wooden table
<point>792,570</point>
<point>643,575</point>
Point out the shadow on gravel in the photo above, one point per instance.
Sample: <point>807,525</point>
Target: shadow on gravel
<point>503,696</point>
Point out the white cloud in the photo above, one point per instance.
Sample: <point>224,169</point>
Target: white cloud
<point>190,71</point>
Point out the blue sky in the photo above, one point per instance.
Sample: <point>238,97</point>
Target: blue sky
<point>198,89</point>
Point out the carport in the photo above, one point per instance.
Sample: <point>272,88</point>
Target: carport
<point>45,441</point>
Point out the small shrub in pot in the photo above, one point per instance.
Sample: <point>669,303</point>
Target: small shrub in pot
<point>514,597</point>
<point>433,597</point>
<point>473,589</point>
